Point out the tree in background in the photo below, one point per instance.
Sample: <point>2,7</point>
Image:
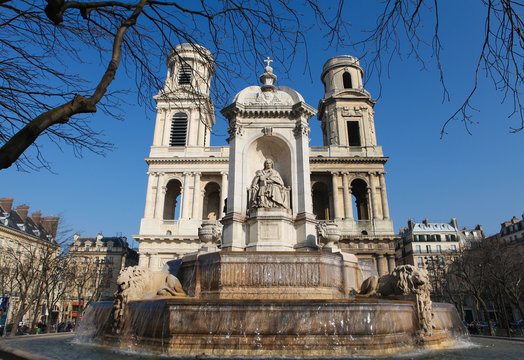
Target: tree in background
<point>85,279</point>
<point>492,275</point>
<point>29,270</point>
<point>47,87</point>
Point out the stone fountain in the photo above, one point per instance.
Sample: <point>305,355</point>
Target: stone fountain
<point>272,280</point>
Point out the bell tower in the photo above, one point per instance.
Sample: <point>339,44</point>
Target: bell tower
<point>187,178</point>
<point>346,112</point>
<point>347,174</point>
<point>184,108</point>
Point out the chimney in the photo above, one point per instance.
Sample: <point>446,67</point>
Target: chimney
<point>425,222</point>
<point>479,227</point>
<point>401,231</point>
<point>410,224</point>
<point>6,203</point>
<point>36,216</point>
<point>453,223</point>
<point>99,236</point>
<point>50,224</point>
<point>22,211</point>
<point>76,236</point>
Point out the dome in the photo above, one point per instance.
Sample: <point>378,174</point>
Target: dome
<point>190,51</point>
<point>280,95</point>
<point>268,94</point>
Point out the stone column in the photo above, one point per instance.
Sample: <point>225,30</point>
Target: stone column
<point>152,185</point>
<point>384,197</point>
<point>348,208</point>
<point>158,136</point>
<point>185,198</point>
<point>391,262</point>
<point>196,196</point>
<point>159,197</point>
<point>200,135</point>
<point>336,215</point>
<point>373,196</point>
<point>223,194</point>
<point>382,265</point>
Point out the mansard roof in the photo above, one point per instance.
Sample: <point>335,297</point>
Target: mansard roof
<point>11,219</point>
<point>118,241</point>
<point>421,227</point>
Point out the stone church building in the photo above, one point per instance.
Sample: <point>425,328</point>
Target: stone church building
<point>189,180</point>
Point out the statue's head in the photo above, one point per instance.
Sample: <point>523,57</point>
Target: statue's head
<point>268,164</point>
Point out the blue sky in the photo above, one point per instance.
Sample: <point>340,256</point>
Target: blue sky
<point>476,178</point>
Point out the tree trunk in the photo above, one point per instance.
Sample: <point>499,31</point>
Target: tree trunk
<point>486,314</point>
<point>16,320</point>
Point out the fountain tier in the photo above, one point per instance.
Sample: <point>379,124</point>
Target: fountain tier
<point>303,328</point>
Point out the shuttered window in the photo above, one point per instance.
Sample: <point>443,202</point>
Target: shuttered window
<point>184,76</point>
<point>178,130</point>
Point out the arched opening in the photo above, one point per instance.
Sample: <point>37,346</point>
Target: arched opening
<point>346,78</point>
<point>172,199</point>
<point>211,202</point>
<point>178,130</point>
<point>320,193</point>
<point>359,190</point>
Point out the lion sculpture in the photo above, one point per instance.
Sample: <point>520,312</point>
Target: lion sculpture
<point>138,282</point>
<point>405,280</point>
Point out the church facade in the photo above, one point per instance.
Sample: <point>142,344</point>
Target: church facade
<point>342,182</point>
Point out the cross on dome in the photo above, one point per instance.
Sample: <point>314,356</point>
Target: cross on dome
<point>268,78</point>
<point>268,61</point>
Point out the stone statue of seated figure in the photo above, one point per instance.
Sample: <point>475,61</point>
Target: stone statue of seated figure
<point>267,188</point>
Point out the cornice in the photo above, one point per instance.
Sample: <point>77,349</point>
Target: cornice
<point>348,160</point>
<point>168,161</point>
<point>268,110</point>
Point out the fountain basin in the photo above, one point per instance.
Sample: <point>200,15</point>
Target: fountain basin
<point>294,328</point>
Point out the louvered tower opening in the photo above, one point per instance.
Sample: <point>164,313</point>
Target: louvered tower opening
<point>184,76</point>
<point>178,130</point>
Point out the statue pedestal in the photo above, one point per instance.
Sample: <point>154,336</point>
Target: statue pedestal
<point>270,230</point>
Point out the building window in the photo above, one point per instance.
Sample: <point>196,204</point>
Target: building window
<point>353,133</point>
<point>428,249</point>
<point>109,248</point>
<point>430,262</point>
<point>418,250</point>
<point>178,130</point>
<point>420,262</point>
<point>439,249</point>
<point>184,76</point>
<point>450,237</point>
<point>346,78</point>
<point>438,237</point>
<point>453,247</point>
